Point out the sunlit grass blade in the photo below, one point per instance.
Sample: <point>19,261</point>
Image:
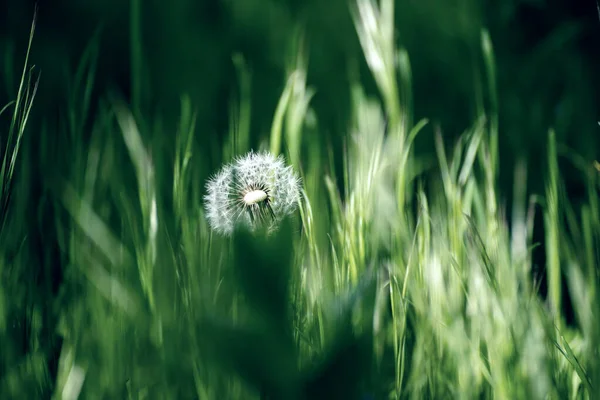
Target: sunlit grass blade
<point>144,167</point>
<point>21,110</point>
<point>551,224</point>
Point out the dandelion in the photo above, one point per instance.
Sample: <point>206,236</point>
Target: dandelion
<point>256,190</point>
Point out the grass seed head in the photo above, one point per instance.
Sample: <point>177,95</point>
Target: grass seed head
<point>255,190</point>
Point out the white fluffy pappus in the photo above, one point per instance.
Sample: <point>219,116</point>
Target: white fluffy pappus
<point>255,190</point>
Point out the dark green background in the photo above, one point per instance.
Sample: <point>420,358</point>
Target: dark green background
<point>546,53</point>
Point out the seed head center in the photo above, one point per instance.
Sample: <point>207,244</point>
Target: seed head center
<point>255,196</point>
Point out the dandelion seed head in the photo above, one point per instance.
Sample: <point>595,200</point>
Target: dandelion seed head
<point>255,190</point>
<point>255,196</point>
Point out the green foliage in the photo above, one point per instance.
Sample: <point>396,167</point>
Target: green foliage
<point>391,282</point>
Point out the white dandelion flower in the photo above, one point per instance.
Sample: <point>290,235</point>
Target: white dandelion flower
<point>256,190</point>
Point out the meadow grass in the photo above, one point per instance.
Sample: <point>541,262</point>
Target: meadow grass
<point>396,278</point>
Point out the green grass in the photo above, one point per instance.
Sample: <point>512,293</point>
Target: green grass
<point>397,279</point>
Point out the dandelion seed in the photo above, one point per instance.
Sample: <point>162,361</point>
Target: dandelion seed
<point>256,190</point>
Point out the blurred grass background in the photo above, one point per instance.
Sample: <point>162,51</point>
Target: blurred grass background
<point>194,75</point>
